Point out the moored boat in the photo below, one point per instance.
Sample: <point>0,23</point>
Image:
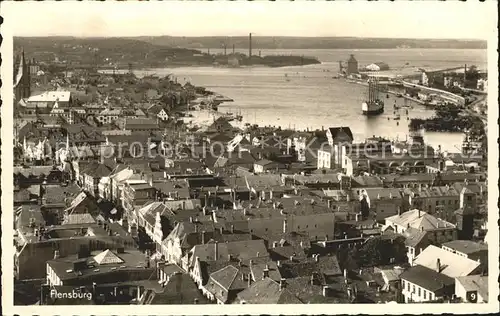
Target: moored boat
<point>373,106</point>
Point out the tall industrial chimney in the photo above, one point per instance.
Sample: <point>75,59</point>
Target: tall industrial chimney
<point>249,45</point>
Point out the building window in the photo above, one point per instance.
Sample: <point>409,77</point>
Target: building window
<point>413,289</point>
<point>425,294</point>
<point>419,292</point>
<point>408,286</point>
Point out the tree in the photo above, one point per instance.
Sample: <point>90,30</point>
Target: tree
<point>377,251</point>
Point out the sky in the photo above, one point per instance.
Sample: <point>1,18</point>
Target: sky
<point>421,19</point>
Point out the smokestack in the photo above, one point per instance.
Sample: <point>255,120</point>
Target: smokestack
<point>250,45</point>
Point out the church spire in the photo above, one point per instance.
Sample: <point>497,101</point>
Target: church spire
<point>22,84</point>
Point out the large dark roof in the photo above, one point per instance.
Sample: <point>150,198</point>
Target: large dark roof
<point>427,278</point>
<point>336,130</point>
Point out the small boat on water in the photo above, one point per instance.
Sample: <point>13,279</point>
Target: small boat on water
<point>397,117</point>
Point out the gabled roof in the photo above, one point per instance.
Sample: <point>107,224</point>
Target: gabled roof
<point>419,220</point>
<point>107,257</point>
<point>267,291</point>
<point>452,265</point>
<point>476,282</point>
<point>26,213</point>
<point>97,170</point>
<point>466,246</point>
<point>245,249</point>
<point>335,131</point>
<point>51,96</point>
<point>427,278</point>
<point>414,236</point>
<point>225,276</point>
<point>179,289</point>
<point>84,218</point>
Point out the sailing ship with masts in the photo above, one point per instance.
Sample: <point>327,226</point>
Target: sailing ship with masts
<point>374,105</point>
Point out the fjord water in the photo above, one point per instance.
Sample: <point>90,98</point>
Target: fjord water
<point>309,97</point>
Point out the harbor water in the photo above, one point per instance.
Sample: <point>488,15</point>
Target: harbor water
<point>309,97</point>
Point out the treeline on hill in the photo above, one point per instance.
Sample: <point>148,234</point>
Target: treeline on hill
<point>143,45</point>
<point>283,42</point>
<point>96,50</point>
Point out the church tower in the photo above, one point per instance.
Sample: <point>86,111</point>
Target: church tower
<point>22,80</point>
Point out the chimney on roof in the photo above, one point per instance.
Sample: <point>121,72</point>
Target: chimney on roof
<point>216,250</point>
<point>325,291</point>
<point>438,265</point>
<point>419,213</point>
<point>285,226</point>
<point>232,229</point>
<point>329,202</point>
<point>190,219</point>
<point>399,210</point>
<point>56,254</point>
<point>203,237</point>
<point>282,284</point>
<point>265,272</point>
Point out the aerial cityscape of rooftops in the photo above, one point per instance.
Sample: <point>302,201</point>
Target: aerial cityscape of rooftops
<point>231,171</point>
